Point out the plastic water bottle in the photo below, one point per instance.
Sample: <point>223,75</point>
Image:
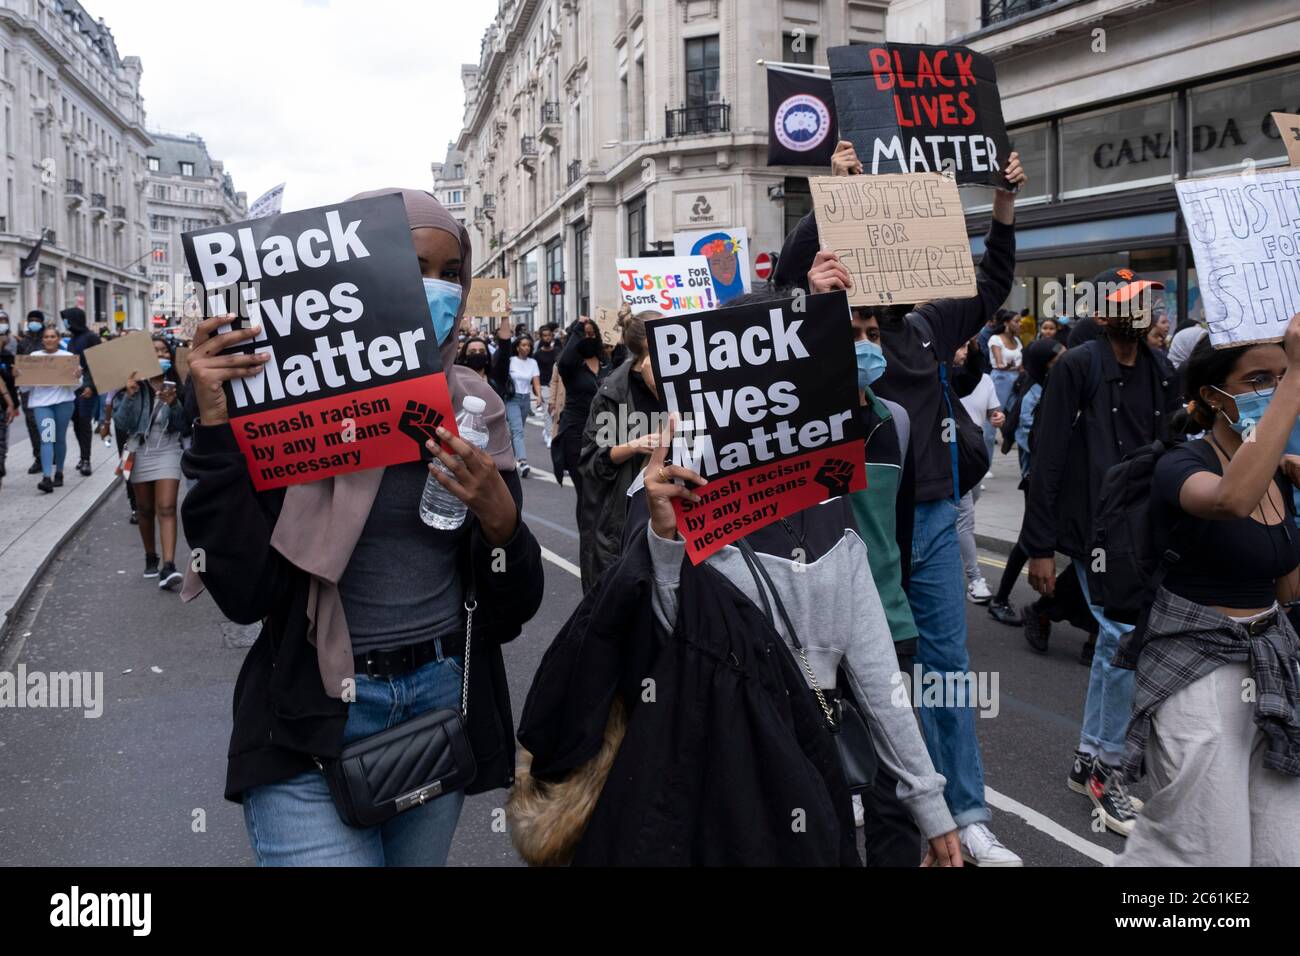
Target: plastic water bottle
<point>439,508</point>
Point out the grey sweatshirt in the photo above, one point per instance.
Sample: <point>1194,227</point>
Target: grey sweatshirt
<point>836,611</point>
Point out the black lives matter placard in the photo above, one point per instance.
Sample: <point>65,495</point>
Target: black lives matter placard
<point>354,380</point>
<point>767,396</point>
<point>914,108</point>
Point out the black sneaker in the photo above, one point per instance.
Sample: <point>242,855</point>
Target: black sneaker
<point>135,517</point>
<point>1110,796</point>
<point>151,565</point>
<point>1037,628</point>
<point>169,577</point>
<point>45,485</point>
<point>1081,772</point>
<point>523,468</point>
<point>83,466</point>
<point>1004,613</point>
<point>35,469</point>
<point>58,479</point>
<point>1088,649</point>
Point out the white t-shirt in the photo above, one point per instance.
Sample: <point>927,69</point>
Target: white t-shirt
<point>1007,355</point>
<point>982,400</point>
<point>523,371</point>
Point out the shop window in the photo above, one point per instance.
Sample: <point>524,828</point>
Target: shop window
<point>1117,148</point>
<point>798,201</point>
<point>1229,123</point>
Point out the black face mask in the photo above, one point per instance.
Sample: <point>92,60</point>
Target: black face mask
<point>1126,326</point>
<point>589,348</point>
<point>477,361</point>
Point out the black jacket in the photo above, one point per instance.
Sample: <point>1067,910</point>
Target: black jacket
<point>912,375</point>
<point>713,770</point>
<point>580,385</point>
<point>603,508</point>
<point>282,715</point>
<point>1075,443</point>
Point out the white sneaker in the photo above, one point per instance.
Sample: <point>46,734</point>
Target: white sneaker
<point>981,848</point>
<point>859,814</point>
<point>524,470</point>
<point>977,592</point>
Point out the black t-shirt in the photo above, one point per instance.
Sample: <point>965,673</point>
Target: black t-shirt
<point>546,362</point>
<point>1226,563</point>
<point>1135,422</point>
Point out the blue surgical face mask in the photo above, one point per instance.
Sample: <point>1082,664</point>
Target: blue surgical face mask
<point>1250,409</point>
<point>34,326</point>
<point>871,362</point>
<point>166,365</point>
<point>444,302</point>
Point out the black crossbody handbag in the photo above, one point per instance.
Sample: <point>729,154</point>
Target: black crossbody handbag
<point>843,719</point>
<point>403,767</point>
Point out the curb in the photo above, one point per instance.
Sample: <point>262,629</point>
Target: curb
<point>11,614</point>
<point>990,543</point>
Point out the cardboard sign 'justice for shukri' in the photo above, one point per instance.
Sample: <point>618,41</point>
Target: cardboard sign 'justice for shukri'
<point>901,237</point>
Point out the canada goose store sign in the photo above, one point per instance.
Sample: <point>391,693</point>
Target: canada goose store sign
<point>354,379</point>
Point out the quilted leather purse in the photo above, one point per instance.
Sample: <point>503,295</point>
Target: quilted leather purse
<point>403,767</point>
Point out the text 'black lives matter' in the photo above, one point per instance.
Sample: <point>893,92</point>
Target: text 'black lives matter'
<point>338,294</point>
<point>767,398</point>
<point>916,108</point>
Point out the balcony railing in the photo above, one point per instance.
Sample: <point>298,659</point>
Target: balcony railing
<point>995,11</point>
<point>489,202</point>
<point>527,146</point>
<point>99,201</point>
<point>549,131</point>
<point>574,172</point>
<point>119,212</point>
<point>75,188</point>
<point>696,120</point>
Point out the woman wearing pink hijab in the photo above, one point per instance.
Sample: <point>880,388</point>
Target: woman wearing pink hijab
<point>364,608</point>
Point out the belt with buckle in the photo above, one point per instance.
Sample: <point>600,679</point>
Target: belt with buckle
<point>396,661</point>
<point>1260,624</point>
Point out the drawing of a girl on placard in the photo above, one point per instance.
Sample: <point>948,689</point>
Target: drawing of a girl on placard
<point>722,251</point>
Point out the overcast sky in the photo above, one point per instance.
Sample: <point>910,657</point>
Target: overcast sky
<point>329,96</point>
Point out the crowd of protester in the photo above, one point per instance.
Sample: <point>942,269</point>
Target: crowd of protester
<point>370,618</point>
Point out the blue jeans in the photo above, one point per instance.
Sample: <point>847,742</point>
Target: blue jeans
<point>1109,707</point>
<point>1004,380</point>
<point>935,593</point>
<point>294,823</point>
<point>52,426</point>
<point>517,410</point>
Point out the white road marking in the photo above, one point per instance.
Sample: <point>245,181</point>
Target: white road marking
<point>1049,826</point>
<point>1038,821</point>
<point>561,563</point>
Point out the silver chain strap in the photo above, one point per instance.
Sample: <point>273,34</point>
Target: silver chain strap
<point>470,607</point>
<point>817,688</point>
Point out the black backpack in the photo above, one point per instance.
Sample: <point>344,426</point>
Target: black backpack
<point>1012,412</point>
<point>1126,563</point>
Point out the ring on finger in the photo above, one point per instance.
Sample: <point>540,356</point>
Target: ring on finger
<point>663,478</point>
